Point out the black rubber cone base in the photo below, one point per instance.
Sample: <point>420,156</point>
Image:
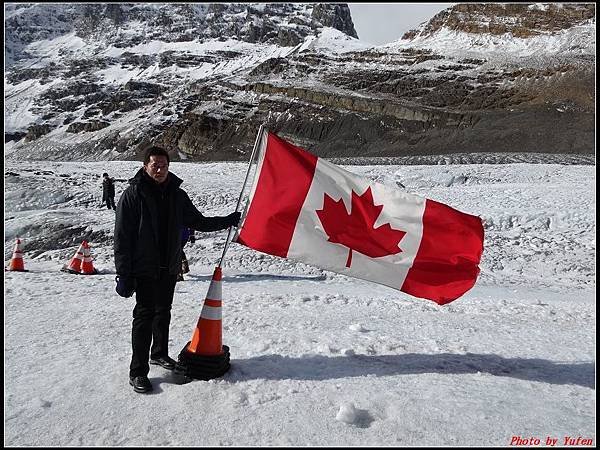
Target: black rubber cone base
<point>202,367</point>
<point>74,272</point>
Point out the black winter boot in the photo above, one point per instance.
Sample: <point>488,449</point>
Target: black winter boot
<point>164,361</point>
<point>140,384</point>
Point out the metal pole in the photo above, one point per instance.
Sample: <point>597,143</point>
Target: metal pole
<point>227,241</point>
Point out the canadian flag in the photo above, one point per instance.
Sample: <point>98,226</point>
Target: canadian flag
<point>310,210</point>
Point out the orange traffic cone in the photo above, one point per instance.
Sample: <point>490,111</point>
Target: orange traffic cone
<point>87,267</point>
<point>207,338</point>
<point>16,262</point>
<point>74,265</point>
<point>205,357</point>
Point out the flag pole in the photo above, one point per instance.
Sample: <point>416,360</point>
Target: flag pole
<point>227,241</point>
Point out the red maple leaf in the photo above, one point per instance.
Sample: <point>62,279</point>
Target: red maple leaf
<point>356,230</point>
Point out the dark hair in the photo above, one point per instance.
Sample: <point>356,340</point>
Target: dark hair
<point>104,174</point>
<point>155,151</point>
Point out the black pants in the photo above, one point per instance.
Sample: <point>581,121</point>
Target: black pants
<point>110,203</point>
<point>151,320</point>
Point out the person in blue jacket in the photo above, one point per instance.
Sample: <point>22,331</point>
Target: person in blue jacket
<point>187,235</point>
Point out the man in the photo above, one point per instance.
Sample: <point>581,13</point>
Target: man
<point>108,191</point>
<point>150,215</point>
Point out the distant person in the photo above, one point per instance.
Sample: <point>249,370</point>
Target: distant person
<point>108,191</point>
<point>147,244</point>
<point>187,235</point>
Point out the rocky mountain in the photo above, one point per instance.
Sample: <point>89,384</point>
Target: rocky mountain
<point>520,20</point>
<point>100,81</point>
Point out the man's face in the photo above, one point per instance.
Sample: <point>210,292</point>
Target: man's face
<point>157,168</point>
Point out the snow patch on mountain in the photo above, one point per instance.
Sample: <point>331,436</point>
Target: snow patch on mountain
<point>332,41</point>
<point>577,40</point>
<point>47,51</point>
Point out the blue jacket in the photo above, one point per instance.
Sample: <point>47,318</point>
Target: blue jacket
<point>185,235</point>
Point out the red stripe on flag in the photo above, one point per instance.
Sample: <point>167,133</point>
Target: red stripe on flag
<point>446,265</point>
<point>285,178</point>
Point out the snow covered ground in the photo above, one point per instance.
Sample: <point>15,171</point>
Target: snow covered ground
<point>318,358</point>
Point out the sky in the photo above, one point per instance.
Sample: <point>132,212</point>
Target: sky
<point>317,358</point>
<point>381,23</point>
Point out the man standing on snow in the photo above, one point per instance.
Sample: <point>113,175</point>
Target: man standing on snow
<point>108,191</point>
<point>150,215</point>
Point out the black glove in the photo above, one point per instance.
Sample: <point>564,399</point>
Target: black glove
<point>233,219</point>
<point>192,239</point>
<point>125,285</point>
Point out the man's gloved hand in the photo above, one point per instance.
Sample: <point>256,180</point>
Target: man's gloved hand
<point>125,285</point>
<point>192,239</point>
<point>233,219</point>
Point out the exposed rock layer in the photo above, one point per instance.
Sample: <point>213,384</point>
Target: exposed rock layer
<point>374,102</point>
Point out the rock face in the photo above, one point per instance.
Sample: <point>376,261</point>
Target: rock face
<point>101,81</point>
<point>522,20</point>
<point>335,16</point>
<point>117,24</point>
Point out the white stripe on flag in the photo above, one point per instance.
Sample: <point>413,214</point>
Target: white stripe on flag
<point>401,210</point>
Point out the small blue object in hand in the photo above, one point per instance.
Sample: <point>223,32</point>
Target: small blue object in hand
<point>125,286</point>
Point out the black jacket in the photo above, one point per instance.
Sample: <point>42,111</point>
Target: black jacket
<point>108,188</point>
<point>138,242</point>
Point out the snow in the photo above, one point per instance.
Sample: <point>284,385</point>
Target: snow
<point>24,107</point>
<point>155,47</point>
<point>333,41</point>
<point>318,359</point>
<point>539,6</point>
<point>18,101</point>
<point>20,111</point>
<point>257,6</point>
<point>119,74</point>
<point>579,39</point>
<point>51,50</point>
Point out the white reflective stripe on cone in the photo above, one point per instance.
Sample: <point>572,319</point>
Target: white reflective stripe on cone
<point>214,291</point>
<point>211,312</point>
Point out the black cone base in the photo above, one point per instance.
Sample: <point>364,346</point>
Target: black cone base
<point>95,272</point>
<point>202,367</point>
<point>74,272</point>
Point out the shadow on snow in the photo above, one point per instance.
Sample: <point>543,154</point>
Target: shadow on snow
<point>240,278</point>
<point>276,367</point>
